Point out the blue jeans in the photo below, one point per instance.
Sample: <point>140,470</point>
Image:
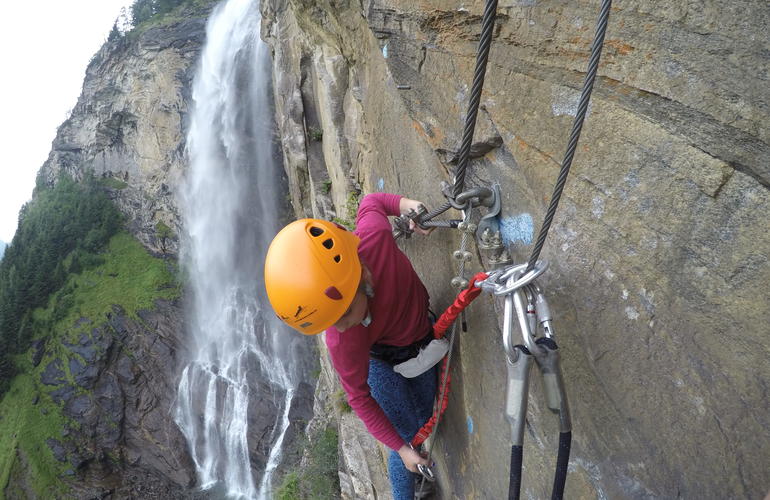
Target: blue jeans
<point>408,404</point>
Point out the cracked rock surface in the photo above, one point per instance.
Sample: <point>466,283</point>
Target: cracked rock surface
<point>659,252</point>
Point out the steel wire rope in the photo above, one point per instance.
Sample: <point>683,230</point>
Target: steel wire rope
<point>485,42</point>
<point>565,439</point>
<point>577,126</point>
<point>482,56</point>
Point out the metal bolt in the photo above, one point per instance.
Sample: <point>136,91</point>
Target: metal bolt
<point>459,282</point>
<point>461,255</point>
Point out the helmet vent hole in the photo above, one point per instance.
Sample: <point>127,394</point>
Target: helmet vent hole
<point>328,243</point>
<point>336,258</point>
<point>316,231</point>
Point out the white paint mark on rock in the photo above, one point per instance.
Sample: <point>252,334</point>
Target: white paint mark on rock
<point>385,51</point>
<point>597,207</point>
<point>699,406</point>
<point>461,93</point>
<point>672,68</point>
<point>518,229</point>
<point>564,101</point>
<point>380,184</point>
<point>632,313</point>
<point>648,299</point>
<point>594,473</point>
<point>625,294</point>
<point>569,234</point>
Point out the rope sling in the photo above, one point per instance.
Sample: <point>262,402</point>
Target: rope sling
<point>466,296</point>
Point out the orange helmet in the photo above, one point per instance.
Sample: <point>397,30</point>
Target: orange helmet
<point>312,272</point>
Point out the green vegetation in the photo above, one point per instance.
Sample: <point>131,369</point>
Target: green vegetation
<point>347,216</point>
<point>59,232</point>
<point>289,488</point>
<point>163,233</point>
<point>113,183</point>
<point>24,429</point>
<point>340,400</point>
<point>146,14</point>
<point>316,134</point>
<point>68,265</point>
<point>125,275</point>
<point>319,478</point>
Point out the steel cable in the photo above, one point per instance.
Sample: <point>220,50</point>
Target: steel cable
<point>485,42</point>
<point>585,98</point>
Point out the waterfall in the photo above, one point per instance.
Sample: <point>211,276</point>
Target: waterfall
<point>230,210</point>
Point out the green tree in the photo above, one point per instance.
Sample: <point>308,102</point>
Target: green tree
<point>66,219</point>
<point>163,233</point>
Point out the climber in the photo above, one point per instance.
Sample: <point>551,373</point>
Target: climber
<point>363,291</point>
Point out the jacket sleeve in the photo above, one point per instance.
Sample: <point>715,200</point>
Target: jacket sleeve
<point>351,362</point>
<point>373,212</point>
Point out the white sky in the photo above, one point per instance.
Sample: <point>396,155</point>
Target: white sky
<point>45,46</point>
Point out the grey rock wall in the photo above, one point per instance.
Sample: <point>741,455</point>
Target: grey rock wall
<point>130,121</point>
<point>119,398</point>
<point>659,251</point>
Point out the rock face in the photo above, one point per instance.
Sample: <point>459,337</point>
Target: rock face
<point>129,123</point>
<point>119,397</point>
<point>128,128</point>
<point>659,252</point>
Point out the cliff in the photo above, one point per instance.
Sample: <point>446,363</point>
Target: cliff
<point>90,413</point>
<point>129,123</point>
<point>659,271</point>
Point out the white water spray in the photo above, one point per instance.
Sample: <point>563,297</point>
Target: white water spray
<point>230,213</point>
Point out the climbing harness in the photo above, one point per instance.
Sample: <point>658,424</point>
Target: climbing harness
<point>515,283</point>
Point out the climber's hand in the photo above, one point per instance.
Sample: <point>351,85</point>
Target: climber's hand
<point>405,205</point>
<point>411,458</point>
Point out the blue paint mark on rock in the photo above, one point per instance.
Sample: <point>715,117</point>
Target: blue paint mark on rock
<point>381,184</point>
<point>518,229</point>
<point>469,421</point>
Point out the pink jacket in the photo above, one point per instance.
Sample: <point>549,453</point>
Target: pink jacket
<point>399,312</point>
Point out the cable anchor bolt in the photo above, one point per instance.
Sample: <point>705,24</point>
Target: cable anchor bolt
<point>502,259</point>
<point>490,240</point>
<point>467,227</point>
<point>462,255</point>
<point>459,282</point>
